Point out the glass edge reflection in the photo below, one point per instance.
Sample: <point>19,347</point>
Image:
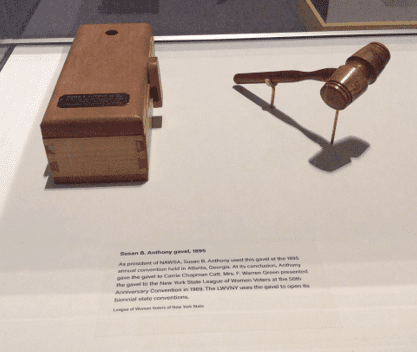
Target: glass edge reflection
<point>220,37</point>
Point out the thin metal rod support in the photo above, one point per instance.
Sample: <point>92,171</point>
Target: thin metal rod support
<point>334,126</point>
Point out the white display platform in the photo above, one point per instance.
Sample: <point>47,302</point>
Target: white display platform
<point>232,177</point>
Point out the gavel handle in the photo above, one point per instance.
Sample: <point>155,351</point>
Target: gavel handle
<point>283,76</point>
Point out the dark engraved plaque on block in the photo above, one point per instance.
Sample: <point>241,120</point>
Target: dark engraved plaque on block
<point>93,100</point>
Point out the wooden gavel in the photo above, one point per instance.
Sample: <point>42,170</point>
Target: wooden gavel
<point>343,85</point>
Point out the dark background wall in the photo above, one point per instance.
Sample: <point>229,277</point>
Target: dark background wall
<point>61,18</point>
<point>322,7</point>
<point>14,16</point>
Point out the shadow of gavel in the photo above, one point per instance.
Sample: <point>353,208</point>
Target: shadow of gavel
<point>343,85</point>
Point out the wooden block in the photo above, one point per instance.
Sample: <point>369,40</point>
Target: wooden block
<point>97,127</point>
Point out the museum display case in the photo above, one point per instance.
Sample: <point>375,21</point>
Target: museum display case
<point>258,229</point>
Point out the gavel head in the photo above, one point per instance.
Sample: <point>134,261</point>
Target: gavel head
<point>351,80</point>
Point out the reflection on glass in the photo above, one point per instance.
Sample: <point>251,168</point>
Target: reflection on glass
<point>358,14</point>
<point>61,18</point>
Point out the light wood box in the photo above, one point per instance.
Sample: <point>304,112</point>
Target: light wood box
<point>97,127</point>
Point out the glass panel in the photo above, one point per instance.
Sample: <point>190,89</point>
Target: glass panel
<point>358,14</point>
<point>61,18</point>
